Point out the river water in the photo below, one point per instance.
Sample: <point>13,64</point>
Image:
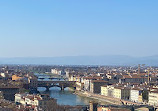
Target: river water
<point>66,97</point>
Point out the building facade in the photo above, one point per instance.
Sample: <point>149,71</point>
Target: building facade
<point>153,98</point>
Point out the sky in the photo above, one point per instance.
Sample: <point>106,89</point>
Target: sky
<point>52,28</point>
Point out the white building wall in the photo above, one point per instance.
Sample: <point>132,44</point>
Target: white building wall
<point>153,99</point>
<point>134,94</point>
<point>3,74</point>
<point>17,98</point>
<point>87,85</point>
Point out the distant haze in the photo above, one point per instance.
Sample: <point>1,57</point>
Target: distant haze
<point>84,60</point>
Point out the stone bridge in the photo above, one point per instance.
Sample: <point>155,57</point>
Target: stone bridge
<point>61,84</point>
<point>52,78</point>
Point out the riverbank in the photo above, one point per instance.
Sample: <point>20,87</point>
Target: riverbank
<point>98,97</point>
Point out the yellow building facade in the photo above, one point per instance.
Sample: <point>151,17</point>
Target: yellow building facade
<point>104,90</point>
<point>15,77</point>
<point>117,92</point>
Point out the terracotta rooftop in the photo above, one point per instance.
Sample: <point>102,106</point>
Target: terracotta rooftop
<point>92,77</point>
<point>99,81</point>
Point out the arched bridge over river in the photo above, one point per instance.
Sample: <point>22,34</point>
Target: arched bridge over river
<point>61,84</point>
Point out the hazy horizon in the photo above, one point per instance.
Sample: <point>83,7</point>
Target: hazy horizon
<point>84,60</point>
<point>77,56</point>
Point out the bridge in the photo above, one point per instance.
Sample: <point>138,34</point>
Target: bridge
<point>61,84</point>
<point>55,81</point>
<point>50,76</point>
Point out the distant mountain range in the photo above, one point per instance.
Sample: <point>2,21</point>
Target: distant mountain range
<point>83,60</point>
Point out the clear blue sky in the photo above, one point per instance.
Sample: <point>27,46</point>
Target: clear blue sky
<point>48,28</point>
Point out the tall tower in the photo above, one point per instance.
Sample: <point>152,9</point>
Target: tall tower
<point>138,68</point>
<point>148,75</point>
<point>93,106</point>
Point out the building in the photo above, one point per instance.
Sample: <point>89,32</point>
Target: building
<point>135,94</point>
<point>92,106</point>
<point>107,90</point>
<point>125,93</point>
<point>1,95</point>
<point>27,99</point>
<point>104,90</point>
<point>38,101</point>
<point>71,78</point>
<point>87,81</point>
<point>102,108</point>
<point>153,98</point>
<point>67,74</point>
<point>117,92</point>
<point>33,83</point>
<point>95,86</point>
<point>3,74</point>
<point>58,72</point>
<point>15,78</point>
<point>79,86</point>
<point>133,79</point>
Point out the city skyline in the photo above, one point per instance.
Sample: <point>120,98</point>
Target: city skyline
<point>78,55</point>
<point>76,28</point>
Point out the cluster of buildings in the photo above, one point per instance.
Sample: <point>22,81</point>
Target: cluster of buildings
<point>13,81</point>
<point>35,102</point>
<point>7,74</point>
<point>142,94</point>
<point>58,71</point>
<point>124,84</point>
<point>128,85</point>
<point>16,95</point>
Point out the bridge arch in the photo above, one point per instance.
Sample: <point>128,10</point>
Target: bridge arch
<point>61,84</point>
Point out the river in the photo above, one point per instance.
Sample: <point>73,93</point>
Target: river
<point>66,97</point>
